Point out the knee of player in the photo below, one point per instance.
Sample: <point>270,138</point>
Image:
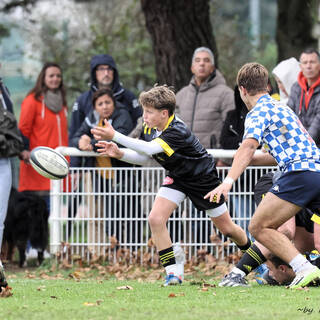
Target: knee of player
<point>254,229</point>
<point>227,231</point>
<point>287,232</point>
<point>155,219</point>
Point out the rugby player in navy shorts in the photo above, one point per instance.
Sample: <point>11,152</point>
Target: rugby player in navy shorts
<point>191,171</point>
<point>276,127</point>
<point>300,229</point>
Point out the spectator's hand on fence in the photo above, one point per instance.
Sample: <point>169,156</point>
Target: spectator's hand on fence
<point>215,194</point>
<point>109,149</point>
<point>85,143</point>
<point>103,133</point>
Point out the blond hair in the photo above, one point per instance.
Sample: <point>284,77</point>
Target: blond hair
<point>253,77</point>
<point>159,97</point>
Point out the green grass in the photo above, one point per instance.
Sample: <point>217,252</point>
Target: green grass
<point>96,298</point>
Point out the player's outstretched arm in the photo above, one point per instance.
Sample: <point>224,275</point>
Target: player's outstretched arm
<point>110,149</point>
<point>241,160</point>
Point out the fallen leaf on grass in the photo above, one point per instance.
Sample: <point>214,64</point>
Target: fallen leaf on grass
<point>6,292</point>
<point>172,295</point>
<point>125,288</point>
<point>41,288</point>
<point>53,297</point>
<point>76,275</point>
<point>89,304</point>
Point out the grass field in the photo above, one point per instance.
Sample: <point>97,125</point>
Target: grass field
<point>92,294</point>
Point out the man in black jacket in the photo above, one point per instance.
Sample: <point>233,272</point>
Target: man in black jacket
<point>104,73</point>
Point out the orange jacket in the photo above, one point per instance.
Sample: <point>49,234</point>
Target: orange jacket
<point>43,128</point>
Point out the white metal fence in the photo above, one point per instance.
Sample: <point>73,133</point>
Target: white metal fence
<point>92,216</point>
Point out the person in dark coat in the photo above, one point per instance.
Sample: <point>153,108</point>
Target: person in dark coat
<point>105,180</point>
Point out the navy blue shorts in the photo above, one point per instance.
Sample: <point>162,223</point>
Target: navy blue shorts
<point>299,187</point>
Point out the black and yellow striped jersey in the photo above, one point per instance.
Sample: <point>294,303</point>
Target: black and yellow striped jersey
<point>184,156</point>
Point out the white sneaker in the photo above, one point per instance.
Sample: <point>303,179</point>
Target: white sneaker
<point>305,278</point>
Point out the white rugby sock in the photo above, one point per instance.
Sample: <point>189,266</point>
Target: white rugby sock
<point>172,268</point>
<point>300,263</point>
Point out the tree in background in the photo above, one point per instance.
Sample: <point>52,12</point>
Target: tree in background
<point>294,27</point>
<point>177,28</point>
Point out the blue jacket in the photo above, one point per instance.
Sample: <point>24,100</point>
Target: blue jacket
<point>120,120</point>
<point>83,105</point>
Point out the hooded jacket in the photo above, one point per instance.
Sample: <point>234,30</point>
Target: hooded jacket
<point>204,108</point>
<point>120,120</point>
<point>287,72</point>
<point>305,102</point>
<point>83,105</point>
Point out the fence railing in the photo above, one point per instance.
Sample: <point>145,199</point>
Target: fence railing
<point>96,211</point>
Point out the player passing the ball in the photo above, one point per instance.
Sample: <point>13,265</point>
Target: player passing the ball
<point>191,172</point>
<point>277,127</point>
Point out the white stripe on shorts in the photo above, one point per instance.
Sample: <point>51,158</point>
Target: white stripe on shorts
<point>216,212</point>
<point>171,194</point>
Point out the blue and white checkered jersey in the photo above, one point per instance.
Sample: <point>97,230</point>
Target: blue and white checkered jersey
<point>276,127</point>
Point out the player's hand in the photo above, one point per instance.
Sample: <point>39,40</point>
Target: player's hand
<point>215,194</point>
<point>109,149</point>
<point>103,133</point>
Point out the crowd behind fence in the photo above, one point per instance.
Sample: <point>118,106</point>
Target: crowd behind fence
<point>92,217</point>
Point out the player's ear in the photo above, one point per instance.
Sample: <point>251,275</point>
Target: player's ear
<point>282,268</point>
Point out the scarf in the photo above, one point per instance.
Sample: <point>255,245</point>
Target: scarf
<point>53,101</point>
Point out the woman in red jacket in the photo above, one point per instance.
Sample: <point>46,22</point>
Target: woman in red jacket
<point>43,122</point>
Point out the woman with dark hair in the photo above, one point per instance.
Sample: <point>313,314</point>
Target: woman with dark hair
<point>43,122</point>
<point>104,181</point>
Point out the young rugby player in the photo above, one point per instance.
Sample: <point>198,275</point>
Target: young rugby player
<point>276,126</point>
<point>191,171</point>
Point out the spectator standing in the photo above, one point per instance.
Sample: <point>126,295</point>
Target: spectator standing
<point>286,74</point>
<point>43,122</point>
<point>204,103</point>
<point>10,145</point>
<point>304,97</point>
<point>104,107</point>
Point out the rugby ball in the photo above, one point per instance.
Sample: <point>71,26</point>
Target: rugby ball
<point>49,163</point>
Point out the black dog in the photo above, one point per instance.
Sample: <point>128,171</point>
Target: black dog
<point>27,219</point>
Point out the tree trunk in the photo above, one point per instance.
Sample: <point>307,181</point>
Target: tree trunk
<point>294,27</point>
<point>177,28</point>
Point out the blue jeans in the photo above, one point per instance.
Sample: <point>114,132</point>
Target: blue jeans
<point>5,188</point>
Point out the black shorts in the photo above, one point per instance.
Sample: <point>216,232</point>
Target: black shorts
<point>303,217</point>
<point>196,190</point>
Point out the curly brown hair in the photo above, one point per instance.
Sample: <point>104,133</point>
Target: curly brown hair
<point>159,97</point>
